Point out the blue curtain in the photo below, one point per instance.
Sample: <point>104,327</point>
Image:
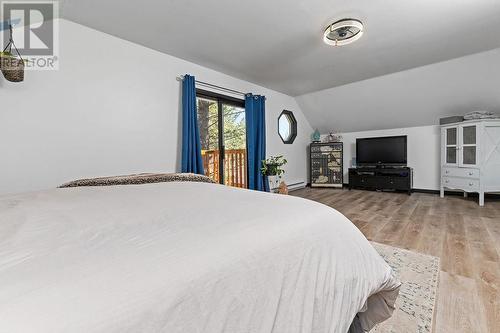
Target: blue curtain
<point>255,115</point>
<point>191,146</point>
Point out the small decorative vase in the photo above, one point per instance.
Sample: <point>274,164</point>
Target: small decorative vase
<point>316,136</point>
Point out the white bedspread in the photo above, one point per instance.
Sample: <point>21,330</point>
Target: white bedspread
<point>184,257</point>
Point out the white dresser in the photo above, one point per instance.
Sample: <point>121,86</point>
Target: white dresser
<point>470,157</point>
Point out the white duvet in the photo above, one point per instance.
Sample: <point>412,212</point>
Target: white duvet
<point>184,257</point>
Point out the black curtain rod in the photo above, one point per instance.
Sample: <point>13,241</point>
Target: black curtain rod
<point>215,86</point>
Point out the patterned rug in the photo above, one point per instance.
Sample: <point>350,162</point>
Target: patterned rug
<point>419,274</point>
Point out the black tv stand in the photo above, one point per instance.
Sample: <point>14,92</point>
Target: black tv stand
<point>382,178</point>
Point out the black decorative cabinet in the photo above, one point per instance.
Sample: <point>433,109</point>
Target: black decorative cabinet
<point>326,164</point>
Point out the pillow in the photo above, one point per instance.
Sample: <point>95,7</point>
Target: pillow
<point>142,178</point>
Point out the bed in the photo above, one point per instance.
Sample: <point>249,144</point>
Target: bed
<point>185,257</point>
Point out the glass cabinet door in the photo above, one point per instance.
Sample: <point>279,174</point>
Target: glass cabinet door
<point>451,145</point>
<point>468,154</point>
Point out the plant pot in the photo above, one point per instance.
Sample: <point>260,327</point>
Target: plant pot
<point>12,68</point>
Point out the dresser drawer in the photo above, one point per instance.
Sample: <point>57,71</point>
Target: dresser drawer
<point>461,183</point>
<point>460,172</point>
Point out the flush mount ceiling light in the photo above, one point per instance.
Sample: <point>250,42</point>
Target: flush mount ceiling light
<point>343,32</point>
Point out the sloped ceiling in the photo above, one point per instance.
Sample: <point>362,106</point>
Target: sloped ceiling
<point>415,97</point>
<point>399,74</point>
<point>278,44</point>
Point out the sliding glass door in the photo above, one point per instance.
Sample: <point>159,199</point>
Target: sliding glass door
<point>221,122</point>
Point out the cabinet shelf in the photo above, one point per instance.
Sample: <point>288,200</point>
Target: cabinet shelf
<point>326,164</point>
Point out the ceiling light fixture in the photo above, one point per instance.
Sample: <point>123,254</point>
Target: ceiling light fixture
<point>343,32</point>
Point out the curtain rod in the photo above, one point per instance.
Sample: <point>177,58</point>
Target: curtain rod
<point>181,77</point>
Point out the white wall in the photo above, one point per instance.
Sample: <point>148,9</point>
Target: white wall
<point>423,152</point>
<point>416,97</point>
<point>112,108</point>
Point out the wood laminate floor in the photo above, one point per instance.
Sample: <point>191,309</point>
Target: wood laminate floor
<point>465,236</point>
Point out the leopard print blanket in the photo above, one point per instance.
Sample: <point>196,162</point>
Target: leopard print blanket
<point>142,178</point>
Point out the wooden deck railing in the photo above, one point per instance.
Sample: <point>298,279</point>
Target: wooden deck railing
<point>235,166</point>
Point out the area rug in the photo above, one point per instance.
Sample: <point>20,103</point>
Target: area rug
<point>419,274</point>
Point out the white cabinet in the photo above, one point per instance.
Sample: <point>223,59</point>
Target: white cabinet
<point>470,157</point>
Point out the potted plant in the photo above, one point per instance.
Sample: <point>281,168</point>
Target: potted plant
<point>271,167</point>
<point>12,66</point>
<point>4,58</point>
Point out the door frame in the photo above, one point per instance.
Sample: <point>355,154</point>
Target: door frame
<point>228,100</point>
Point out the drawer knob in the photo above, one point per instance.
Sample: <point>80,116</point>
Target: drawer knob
<point>471,173</point>
<point>447,181</point>
<point>470,184</point>
<point>447,171</point>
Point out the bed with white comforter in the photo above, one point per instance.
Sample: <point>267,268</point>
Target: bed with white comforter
<point>185,257</point>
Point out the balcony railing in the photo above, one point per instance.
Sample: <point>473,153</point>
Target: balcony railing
<point>235,166</point>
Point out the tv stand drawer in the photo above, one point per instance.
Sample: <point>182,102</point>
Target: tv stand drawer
<point>381,179</point>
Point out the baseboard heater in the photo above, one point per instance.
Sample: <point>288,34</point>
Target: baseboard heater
<point>296,186</point>
<point>293,186</point>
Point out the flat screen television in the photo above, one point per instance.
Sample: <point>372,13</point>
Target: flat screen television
<point>382,151</point>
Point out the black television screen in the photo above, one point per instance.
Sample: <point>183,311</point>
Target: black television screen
<point>390,150</point>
